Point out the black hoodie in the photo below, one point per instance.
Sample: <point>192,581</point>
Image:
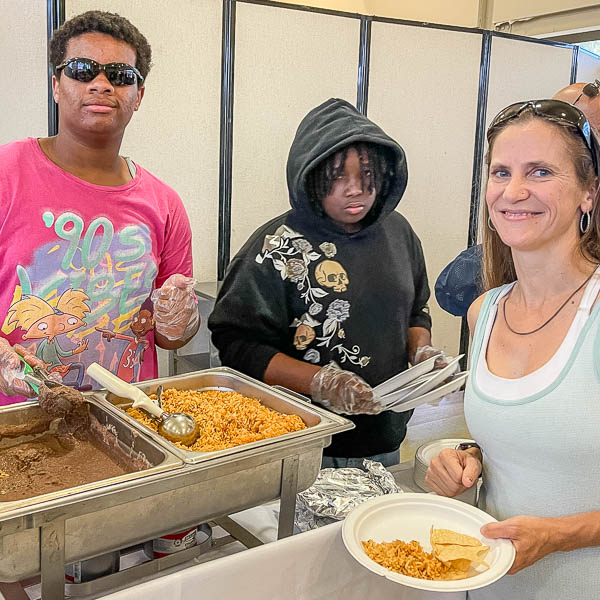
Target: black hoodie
<point>304,287</point>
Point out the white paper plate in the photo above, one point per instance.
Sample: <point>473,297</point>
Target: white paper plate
<point>439,376</point>
<point>410,517</point>
<point>408,404</point>
<point>405,377</point>
<point>428,382</point>
<point>393,398</point>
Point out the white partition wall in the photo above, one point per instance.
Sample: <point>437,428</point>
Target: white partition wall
<point>175,134</point>
<point>523,70</point>
<point>286,62</point>
<point>588,66</point>
<point>423,92</point>
<point>24,97</point>
<point>423,89</point>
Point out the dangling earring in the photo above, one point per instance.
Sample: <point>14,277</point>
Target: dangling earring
<point>489,224</point>
<point>584,215</point>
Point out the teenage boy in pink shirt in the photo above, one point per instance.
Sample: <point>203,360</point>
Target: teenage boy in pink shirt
<point>95,252</point>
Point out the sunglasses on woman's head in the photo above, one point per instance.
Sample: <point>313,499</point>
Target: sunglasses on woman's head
<point>86,69</point>
<point>591,90</point>
<point>556,109</point>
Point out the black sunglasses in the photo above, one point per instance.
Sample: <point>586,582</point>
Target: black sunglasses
<point>591,90</point>
<point>557,109</point>
<point>86,69</point>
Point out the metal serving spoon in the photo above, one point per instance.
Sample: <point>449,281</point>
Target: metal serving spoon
<point>31,363</point>
<point>38,377</point>
<point>176,427</point>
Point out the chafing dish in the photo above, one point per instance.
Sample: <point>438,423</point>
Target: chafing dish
<point>20,551</point>
<point>47,533</point>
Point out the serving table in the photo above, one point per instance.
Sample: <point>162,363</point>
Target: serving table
<point>310,566</point>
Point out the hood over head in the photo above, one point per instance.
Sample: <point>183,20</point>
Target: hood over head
<point>325,130</point>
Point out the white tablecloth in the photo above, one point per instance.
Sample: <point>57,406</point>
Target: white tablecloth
<point>311,566</point>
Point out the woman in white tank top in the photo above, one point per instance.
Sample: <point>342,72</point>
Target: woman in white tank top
<point>533,398</point>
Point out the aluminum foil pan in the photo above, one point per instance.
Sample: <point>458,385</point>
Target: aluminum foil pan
<point>337,491</point>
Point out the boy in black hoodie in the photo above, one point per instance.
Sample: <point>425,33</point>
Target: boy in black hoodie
<point>340,277</point>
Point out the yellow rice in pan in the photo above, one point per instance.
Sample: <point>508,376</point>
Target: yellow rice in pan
<point>225,419</point>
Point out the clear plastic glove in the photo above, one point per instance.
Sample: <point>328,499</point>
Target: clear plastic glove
<point>32,360</point>
<point>55,376</point>
<point>424,352</point>
<point>176,308</point>
<point>37,363</point>
<point>344,392</point>
<point>10,368</point>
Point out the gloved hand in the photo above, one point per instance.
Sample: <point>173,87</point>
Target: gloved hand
<point>31,359</point>
<point>344,392</point>
<point>37,363</point>
<point>176,308</point>
<point>424,352</point>
<point>10,367</point>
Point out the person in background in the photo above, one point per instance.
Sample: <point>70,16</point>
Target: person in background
<point>330,298</point>
<point>459,283</point>
<point>531,402</point>
<point>87,235</point>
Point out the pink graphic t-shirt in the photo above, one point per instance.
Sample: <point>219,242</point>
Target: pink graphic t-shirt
<point>79,261</point>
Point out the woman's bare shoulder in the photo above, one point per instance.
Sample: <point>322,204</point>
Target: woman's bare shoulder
<point>473,312</point>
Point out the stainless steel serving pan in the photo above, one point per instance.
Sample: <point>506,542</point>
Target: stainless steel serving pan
<point>129,442</point>
<point>319,422</point>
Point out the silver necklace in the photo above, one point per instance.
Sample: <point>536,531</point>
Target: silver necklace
<point>548,321</point>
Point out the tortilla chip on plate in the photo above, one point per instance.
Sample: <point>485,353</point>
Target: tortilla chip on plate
<point>447,536</point>
<point>450,546</point>
<point>450,552</point>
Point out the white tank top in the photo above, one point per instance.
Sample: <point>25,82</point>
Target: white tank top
<point>515,389</point>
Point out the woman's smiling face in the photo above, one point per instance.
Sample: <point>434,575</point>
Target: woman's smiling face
<point>533,194</point>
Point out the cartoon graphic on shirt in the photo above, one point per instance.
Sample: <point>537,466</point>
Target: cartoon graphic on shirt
<point>293,257</point>
<point>87,276</point>
<point>133,354</point>
<point>41,321</point>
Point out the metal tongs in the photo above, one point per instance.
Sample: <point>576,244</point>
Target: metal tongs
<point>39,376</point>
<point>30,366</point>
<point>35,376</point>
